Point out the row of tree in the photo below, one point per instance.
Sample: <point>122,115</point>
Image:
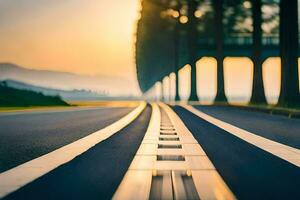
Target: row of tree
<point>164,24</point>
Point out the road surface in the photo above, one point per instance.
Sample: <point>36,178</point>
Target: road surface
<point>94,174</point>
<point>250,172</point>
<point>165,151</point>
<point>275,127</point>
<point>27,135</point>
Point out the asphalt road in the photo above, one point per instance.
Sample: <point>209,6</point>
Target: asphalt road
<point>275,127</point>
<point>94,174</point>
<point>27,135</point>
<point>250,172</point>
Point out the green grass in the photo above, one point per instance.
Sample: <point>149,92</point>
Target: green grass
<point>267,108</point>
<point>16,98</point>
<point>274,107</point>
<point>30,108</point>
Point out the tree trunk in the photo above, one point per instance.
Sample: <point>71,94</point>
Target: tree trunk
<point>258,92</point>
<point>192,47</point>
<point>162,91</point>
<point>218,17</point>
<point>289,94</point>
<point>177,97</point>
<point>170,89</point>
<point>176,62</point>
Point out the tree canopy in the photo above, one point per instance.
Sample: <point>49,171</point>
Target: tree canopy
<point>160,19</point>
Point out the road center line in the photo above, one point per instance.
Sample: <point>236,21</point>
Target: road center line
<point>15,178</point>
<point>290,154</point>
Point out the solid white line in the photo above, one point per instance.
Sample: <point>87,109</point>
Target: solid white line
<point>208,182</point>
<point>282,151</point>
<point>15,178</point>
<point>136,184</point>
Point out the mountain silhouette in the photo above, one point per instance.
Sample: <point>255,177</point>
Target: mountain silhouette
<point>68,95</point>
<point>111,86</point>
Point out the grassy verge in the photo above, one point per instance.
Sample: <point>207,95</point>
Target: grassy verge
<point>12,99</point>
<point>271,109</point>
<point>32,108</point>
<point>71,104</point>
<point>105,103</point>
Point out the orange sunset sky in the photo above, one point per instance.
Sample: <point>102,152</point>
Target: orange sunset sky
<point>96,37</point>
<point>88,37</point>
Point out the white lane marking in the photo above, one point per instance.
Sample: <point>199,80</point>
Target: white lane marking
<point>290,154</point>
<point>207,180</point>
<point>137,182</point>
<point>15,178</point>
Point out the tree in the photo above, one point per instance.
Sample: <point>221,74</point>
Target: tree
<point>258,93</point>
<point>192,47</point>
<point>218,17</point>
<point>289,94</point>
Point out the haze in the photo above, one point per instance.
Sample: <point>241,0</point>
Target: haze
<point>96,37</point>
<point>93,37</point>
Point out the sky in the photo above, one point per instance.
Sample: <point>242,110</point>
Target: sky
<point>93,37</point>
<point>96,37</point>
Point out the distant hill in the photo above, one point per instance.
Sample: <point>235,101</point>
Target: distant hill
<point>64,94</point>
<point>105,85</point>
<point>11,97</point>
